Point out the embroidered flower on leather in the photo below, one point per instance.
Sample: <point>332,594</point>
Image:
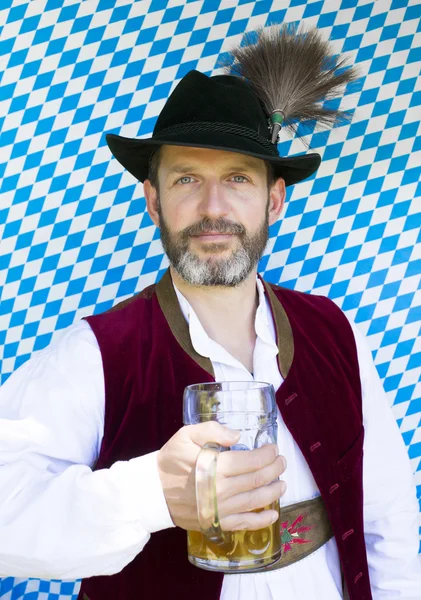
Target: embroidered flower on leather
<point>292,534</point>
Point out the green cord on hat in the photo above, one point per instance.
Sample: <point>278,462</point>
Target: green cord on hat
<point>277,118</point>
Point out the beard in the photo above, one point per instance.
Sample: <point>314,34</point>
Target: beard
<point>214,271</point>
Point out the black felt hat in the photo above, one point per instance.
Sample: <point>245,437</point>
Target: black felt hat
<point>220,112</point>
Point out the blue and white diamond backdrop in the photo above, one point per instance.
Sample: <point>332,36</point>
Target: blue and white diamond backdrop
<point>74,233</point>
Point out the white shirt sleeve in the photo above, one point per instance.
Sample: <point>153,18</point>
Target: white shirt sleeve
<point>391,509</point>
<point>58,518</point>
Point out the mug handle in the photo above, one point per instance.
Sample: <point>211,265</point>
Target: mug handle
<point>207,504</point>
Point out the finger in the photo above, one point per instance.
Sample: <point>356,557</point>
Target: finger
<point>253,500</point>
<point>212,431</point>
<point>249,520</point>
<point>237,484</point>
<point>235,462</point>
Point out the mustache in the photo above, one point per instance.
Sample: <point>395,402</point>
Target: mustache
<point>207,225</point>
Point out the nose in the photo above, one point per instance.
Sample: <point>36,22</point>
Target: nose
<point>213,202</point>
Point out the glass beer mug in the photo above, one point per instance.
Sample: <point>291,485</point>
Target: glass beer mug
<point>248,407</point>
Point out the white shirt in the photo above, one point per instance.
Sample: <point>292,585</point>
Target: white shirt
<point>59,519</point>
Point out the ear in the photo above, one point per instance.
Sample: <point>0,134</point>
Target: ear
<point>151,197</point>
<point>277,196</point>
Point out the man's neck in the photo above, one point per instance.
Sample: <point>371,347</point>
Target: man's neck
<point>227,314</point>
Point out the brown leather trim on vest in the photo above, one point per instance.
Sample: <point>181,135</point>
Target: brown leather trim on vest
<point>168,302</point>
<point>306,521</point>
<point>284,335</point>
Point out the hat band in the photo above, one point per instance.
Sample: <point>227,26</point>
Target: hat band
<point>224,127</point>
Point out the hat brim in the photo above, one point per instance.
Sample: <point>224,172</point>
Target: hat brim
<point>134,154</point>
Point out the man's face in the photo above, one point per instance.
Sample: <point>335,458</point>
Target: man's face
<point>213,209</point>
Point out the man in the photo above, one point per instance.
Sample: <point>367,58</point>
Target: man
<point>96,466</point>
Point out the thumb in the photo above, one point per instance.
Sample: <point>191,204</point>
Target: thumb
<point>212,431</point>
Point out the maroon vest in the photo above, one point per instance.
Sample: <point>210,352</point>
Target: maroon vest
<point>148,360</point>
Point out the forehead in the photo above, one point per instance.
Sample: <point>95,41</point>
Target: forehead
<point>185,158</point>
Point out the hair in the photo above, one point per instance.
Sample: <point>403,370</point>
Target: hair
<point>155,158</point>
<point>154,161</point>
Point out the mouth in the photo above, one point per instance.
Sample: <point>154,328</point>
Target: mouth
<point>213,237</point>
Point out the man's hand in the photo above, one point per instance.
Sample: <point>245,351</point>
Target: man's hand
<point>245,481</point>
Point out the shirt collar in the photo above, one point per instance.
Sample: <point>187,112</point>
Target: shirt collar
<point>208,348</point>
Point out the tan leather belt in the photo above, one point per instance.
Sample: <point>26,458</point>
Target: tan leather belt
<point>305,527</point>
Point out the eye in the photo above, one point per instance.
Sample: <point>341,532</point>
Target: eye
<point>183,179</point>
<point>238,177</point>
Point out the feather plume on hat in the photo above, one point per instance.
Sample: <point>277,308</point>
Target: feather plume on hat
<point>292,71</point>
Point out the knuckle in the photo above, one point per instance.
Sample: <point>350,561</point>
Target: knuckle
<point>253,500</point>
<point>258,479</point>
<point>255,460</point>
<point>241,522</point>
<point>258,521</point>
<point>260,462</point>
<point>211,426</point>
<point>186,430</point>
<point>228,462</point>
